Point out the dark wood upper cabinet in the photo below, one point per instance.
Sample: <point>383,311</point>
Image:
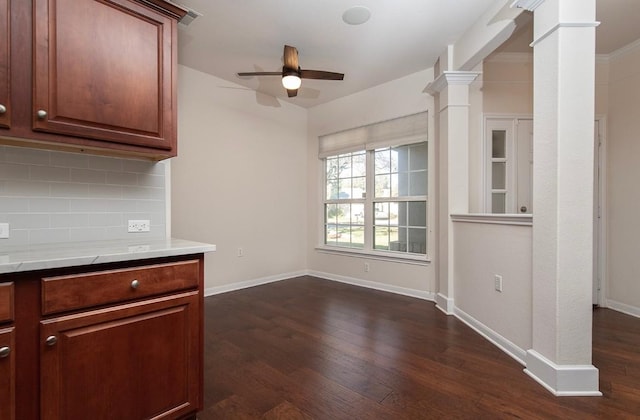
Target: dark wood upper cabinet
<point>95,76</point>
<point>5,45</point>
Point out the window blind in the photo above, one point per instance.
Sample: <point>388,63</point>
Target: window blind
<point>395,132</point>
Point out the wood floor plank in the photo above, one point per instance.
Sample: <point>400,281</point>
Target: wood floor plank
<point>307,348</point>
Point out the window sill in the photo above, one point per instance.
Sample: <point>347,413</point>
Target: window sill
<point>375,255</point>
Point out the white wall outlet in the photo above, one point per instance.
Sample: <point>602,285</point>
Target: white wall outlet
<point>4,230</point>
<point>240,252</point>
<point>136,226</point>
<point>366,267</point>
<point>498,282</point>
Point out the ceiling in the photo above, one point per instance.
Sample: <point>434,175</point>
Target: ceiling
<point>402,37</point>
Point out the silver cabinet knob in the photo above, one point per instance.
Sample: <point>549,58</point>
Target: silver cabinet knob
<point>4,352</point>
<point>42,114</point>
<point>3,109</point>
<point>135,284</point>
<point>51,340</point>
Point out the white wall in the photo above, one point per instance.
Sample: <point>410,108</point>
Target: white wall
<point>483,250</point>
<point>623,173</point>
<point>390,100</point>
<point>240,179</point>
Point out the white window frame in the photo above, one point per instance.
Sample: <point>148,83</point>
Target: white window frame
<point>382,134</point>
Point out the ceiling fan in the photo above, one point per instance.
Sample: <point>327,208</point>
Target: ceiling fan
<point>292,73</point>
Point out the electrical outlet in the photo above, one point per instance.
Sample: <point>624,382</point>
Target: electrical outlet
<point>136,226</point>
<point>366,267</point>
<point>4,230</point>
<point>498,282</point>
<point>240,252</point>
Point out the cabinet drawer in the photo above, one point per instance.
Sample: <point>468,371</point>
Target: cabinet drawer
<point>6,302</point>
<point>77,291</point>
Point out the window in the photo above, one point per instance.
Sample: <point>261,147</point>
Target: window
<point>375,197</point>
<point>509,165</point>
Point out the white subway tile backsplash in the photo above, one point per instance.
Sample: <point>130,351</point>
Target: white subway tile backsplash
<point>28,156</point>
<point>122,178</point>
<point>13,171</point>
<point>102,163</point>
<point>48,205</point>
<point>150,180</point>
<point>105,191</point>
<point>28,220</point>
<point>49,173</point>
<point>13,205</point>
<point>69,190</point>
<point>52,197</point>
<point>69,220</point>
<point>69,160</point>
<point>106,219</point>
<point>20,188</point>
<point>90,176</point>
<point>48,236</point>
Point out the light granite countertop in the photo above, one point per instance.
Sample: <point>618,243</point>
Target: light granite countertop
<point>40,257</point>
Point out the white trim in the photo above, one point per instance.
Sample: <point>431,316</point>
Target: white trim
<point>529,5</point>
<point>602,196</point>
<point>167,198</point>
<point>493,337</point>
<point>210,291</point>
<point>451,78</point>
<point>563,380</point>
<point>390,256</point>
<point>420,294</point>
<point>563,25</point>
<point>495,219</point>
<point>622,307</point>
<point>445,304</point>
<point>629,48</point>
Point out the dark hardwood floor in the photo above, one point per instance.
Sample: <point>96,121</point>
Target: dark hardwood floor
<point>307,348</point>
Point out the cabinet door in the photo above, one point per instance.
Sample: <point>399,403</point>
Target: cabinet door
<point>7,374</point>
<point>136,361</point>
<point>5,114</point>
<point>103,70</point>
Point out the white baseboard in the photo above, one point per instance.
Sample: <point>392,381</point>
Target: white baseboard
<point>493,337</point>
<point>622,307</point>
<point>445,304</point>
<point>563,380</point>
<point>374,285</point>
<point>210,291</point>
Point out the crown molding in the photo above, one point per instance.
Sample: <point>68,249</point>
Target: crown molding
<point>451,78</point>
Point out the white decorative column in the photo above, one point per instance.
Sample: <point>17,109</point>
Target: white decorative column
<point>564,89</point>
<point>451,90</point>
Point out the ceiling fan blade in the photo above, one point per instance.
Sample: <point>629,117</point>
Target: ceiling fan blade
<point>319,74</point>
<point>292,92</point>
<point>261,73</point>
<point>290,57</point>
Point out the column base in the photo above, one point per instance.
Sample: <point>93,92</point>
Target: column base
<point>563,380</point>
<point>444,304</point>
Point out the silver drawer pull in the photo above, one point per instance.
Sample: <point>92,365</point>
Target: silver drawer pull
<point>3,109</point>
<point>135,284</point>
<point>51,340</point>
<point>42,114</point>
<point>4,352</point>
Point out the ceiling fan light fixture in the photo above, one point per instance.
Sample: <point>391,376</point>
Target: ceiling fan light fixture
<point>291,81</point>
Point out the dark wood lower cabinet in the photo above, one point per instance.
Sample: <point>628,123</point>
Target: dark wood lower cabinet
<point>135,352</point>
<point>7,374</point>
<point>135,361</point>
